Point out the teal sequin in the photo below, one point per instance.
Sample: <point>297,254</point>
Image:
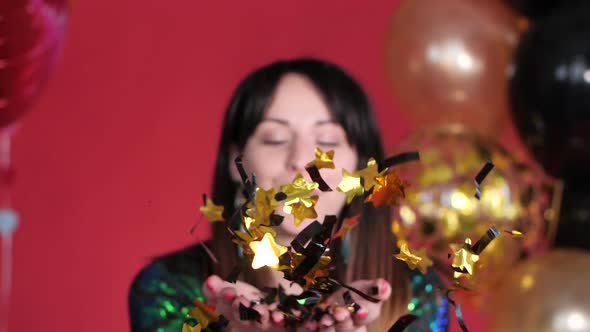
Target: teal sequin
<point>161,300</point>
<point>430,307</point>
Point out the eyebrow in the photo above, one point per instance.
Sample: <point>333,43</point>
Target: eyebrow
<point>286,123</point>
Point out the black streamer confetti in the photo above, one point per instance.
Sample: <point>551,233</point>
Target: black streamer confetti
<point>458,313</point>
<point>402,323</point>
<point>485,240</point>
<point>481,175</point>
<point>248,313</point>
<point>314,174</point>
<point>399,159</point>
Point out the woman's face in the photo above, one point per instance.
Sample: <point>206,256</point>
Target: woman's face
<point>295,123</point>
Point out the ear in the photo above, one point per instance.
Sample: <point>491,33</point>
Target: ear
<point>233,170</point>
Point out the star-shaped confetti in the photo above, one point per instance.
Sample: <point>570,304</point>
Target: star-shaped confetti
<point>387,190</point>
<point>243,238</point>
<point>299,191</point>
<point>187,328</point>
<point>211,211</point>
<point>350,185</point>
<point>322,159</point>
<point>204,313</point>
<point>414,260</point>
<point>264,205</point>
<point>318,270</point>
<point>464,258</point>
<point>369,174</point>
<point>301,212</point>
<point>266,252</point>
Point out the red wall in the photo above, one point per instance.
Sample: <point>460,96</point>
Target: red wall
<point>114,159</point>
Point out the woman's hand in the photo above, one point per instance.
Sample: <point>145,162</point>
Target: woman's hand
<point>227,297</point>
<point>342,320</point>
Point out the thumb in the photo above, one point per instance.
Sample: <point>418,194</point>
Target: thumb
<point>212,287</point>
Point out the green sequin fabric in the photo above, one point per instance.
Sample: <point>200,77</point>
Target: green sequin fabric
<point>162,294</point>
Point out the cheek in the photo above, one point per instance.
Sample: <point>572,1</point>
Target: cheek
<point>267,166</point>
<point>330,203</point>
<point>344,159</point>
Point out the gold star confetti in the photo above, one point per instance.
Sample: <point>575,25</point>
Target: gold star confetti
<point>322,159</point>
<point>204,313</point>
<point>370,173</point>
<point>301,212</point>
<point>187,328</point>
<point>387,190</point>
<point>243,238</point>
<point>212,212</point>
<point>266,252</point>
<point>317,271</point>
<point>414,260</point>
<point>299,191</point>
<point>350,185</point>
<point>265,204</point>
<point>464,258</point>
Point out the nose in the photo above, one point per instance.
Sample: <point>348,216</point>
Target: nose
<point>301,153</point>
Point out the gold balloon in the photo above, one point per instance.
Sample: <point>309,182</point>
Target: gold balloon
<point>546,293</point>
<point>441,208</point>
<point>448,61</point>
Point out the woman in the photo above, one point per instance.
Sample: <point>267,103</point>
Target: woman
<point>276,118</point>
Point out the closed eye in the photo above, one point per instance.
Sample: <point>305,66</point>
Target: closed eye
<point>273,142</point>
<point>330,144</point>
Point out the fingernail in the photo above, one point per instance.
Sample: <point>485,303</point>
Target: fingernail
<point>383,287</point>
<point>229,296</point>
<point>209,285</point>
<point>279,320</point>
<point>362,313</point>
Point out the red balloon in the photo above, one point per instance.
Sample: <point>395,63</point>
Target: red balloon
<point>31,39</point>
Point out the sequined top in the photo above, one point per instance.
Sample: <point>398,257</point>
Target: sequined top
<point>163,293</point>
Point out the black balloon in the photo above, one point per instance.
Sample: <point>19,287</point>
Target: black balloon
<point>550,97</point>
<point>535,9</point>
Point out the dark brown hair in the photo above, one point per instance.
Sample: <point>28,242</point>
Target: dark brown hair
<point>372,241</point>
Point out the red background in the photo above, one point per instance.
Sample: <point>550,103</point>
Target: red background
<point>113,160</point>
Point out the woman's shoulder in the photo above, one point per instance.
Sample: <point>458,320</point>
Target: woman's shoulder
<point>189,261</point>
<point>163,291</point>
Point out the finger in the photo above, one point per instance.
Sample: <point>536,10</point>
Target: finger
<point>343,318</point>
<point>378,288</point>
<point>361,317</point>
<point>311,325</point>
<point>381,289</point>
<point>369,311</point>
<point>326,323</point>
<point>263,323</point>
<point>235,308</point>
<point>277,317</point>
<point>225,299</point>
<point>248,291</point>
<point>211,288</point>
